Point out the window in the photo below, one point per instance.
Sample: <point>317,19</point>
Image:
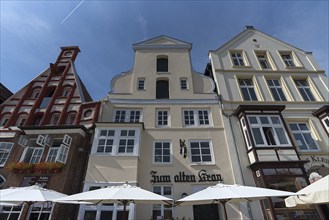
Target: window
<point>196,117</point>
<point>162,118</point>
<point>10,212</point>
<point>162,151</point>
<point>247,89</point>
<point>263,62</point>
<point>59,150</point>
<point>5,149</point>
<point>37,120</point>
<point>116,141</point>
<point>70,119</point>
<point>36,93</point>
<point>200,152</point>
<point>162,64</point>
<point>42,140</point>
<point>304,90</point>
<point>237,59</point>
<point>276,90</point>
<point>46,100</point>
<point>36,155</point>
<point>21,120</point>
<point>131,116</point>
<point>104,211</point>
<point>325,122</point>
<point>2,181</point>
<point>4,120</point>
<point>54,119</point>
<point>66,92</point>
<point>105,141</point>
<point>23,140</point>
<point>183,84</point>
<point>126,142</point>
<point>162,211</point>
<point>303,136</point>
<point>288,60</point>
<point>40,211</point>
<point>268,130</point>
<point>141,84</point>
<point>162,89</point>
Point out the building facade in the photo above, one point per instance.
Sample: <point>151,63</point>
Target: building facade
<point>159,128</point>
<point>273,98</point>
<point>45,132</point>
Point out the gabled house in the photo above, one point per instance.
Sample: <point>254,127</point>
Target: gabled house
<point>159,128</point>
<point>45,132</point>
<point>269,91</point>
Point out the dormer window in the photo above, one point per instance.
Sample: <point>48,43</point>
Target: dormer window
<point>290,59</point>
<point>162,64</point>
<point>237,58</point>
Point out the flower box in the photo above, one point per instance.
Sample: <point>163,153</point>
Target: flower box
<point>43,167</point>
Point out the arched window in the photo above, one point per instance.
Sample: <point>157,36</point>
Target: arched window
<point>66,92</point>
<point>21,120</point>
<point>38,119</point>
<point>162,89</point>
<point>70,118</point>
<point>4,120</point>
<point>35,93</point>
<point>54,119</point>
<point>162,64</point>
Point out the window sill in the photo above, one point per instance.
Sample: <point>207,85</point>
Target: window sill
<point>202,164</point>
<point>163,73</point>
<point>294,67</point>
<point>242,67</point>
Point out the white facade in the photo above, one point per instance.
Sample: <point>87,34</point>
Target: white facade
<point>269,91</point>
<point>160,128</point>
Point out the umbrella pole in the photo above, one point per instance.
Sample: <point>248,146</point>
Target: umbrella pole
<point>225,213</point>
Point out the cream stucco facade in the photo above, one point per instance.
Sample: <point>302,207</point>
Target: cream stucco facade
<point>269,91</point>
<point>171,121</point>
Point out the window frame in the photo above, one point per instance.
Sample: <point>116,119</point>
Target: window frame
<point>274,128</point>
<point>127,115</point>
<point>325,125</point>
<point>211,152</point>
<point>184,84</point>
<point>5,119</point>
<point>162,142</point>
<point>195,121</point>
<point>277,89</point>
<point>164,119</point>
<point>116,141</point>
<point>289,59</point>
<point>141,84</point>
<point>54,119</point>
<point>162,206</point>
<point>305,91</point>
<point>162,64</point>
<point>249,88</point>
<point>302,133</point>
<point>36,155</point>
<point>5,150</point>
<point>239,57</point>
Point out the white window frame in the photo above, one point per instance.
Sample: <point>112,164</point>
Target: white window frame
<point>277,89</point>
<point>41,140</point>
<point>116,141</point>
<point>162,120</point>
<point>263,58</point>
<point>36,155</point>
<point>306,89</point>
<point>4,120</point>
<point>201,154</point>
<point>62,154</point>
<point>13,210</point>
<point>52,154</point>
<point>303,134</point>
<point>249,88</point>
<point>323,120</point>
<point>67,140</point>
<point>246,133</point>
<point>5,149</point>
<point>41,209</point>
<point>141,84</point>
<point>163,148</point>
<point>98,208</point>
<point>239,57</point>
<point>162,207</point>
<point>192,116</point>
<point>125,142</point>
<point>184,84</point>
<point>127,115</point>
<point>23,140</point>
<point>273,129</point>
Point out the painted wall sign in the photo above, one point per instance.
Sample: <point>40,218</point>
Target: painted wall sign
<point>181,177</point>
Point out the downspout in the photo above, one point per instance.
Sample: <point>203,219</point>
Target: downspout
<point>235,148</point>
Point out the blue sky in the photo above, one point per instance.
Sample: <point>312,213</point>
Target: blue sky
<point>32,32</point>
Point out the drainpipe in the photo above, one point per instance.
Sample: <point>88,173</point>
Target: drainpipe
<point>235,148</point>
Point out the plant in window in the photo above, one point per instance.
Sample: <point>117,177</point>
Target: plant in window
<point>20,167</point>
<point>49,167</point>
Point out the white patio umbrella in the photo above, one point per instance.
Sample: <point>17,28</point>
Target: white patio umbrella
<point>29,194</point>
<point>223,193</point>
<point>123,194</point>
<point>315,193</point>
